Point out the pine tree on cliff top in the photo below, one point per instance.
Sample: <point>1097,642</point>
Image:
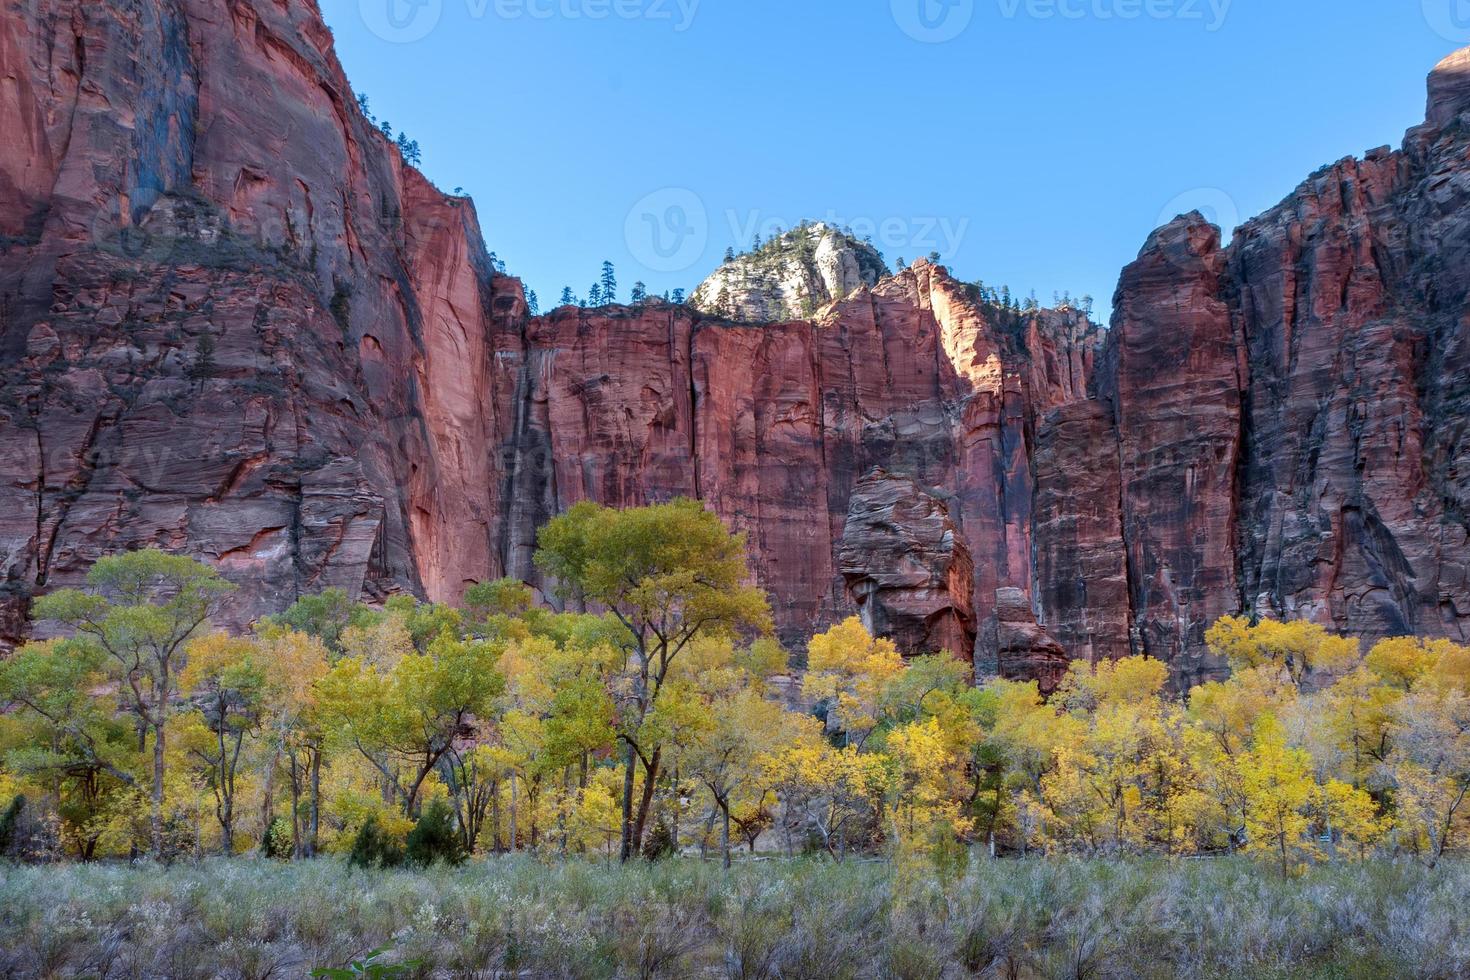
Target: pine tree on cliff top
<point>609,283</point>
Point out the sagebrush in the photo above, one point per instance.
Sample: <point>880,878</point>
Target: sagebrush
<point>769,919</point>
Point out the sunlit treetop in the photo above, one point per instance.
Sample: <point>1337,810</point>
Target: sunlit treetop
<point>1297,649</point>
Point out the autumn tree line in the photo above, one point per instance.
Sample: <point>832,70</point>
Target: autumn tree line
<point>667,720</point>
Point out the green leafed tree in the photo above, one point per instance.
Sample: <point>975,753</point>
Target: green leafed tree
<point>406,717</point>
<point>66,737</point>
<point>137,613</point>
<point>670,574</point>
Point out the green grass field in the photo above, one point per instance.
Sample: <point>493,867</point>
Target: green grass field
<point>683,918</point>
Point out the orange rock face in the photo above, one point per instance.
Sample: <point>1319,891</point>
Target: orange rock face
<point>233,323</point>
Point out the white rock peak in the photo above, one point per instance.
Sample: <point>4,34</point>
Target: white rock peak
<point>791,276</point>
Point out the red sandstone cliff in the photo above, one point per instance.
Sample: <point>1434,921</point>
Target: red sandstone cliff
<point>1290,409</point>
<point>232,322</point>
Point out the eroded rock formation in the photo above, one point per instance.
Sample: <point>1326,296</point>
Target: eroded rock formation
<point>907,566</point>
<point>234,323</point>
<point>1024,650</point>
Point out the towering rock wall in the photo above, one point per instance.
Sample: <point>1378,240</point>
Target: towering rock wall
<point>233,323</point>
<point>786,430</point>
<point>1290,410</point>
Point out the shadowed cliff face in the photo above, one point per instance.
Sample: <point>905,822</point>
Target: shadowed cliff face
<point>1290,410</point>
<point>233,323</point>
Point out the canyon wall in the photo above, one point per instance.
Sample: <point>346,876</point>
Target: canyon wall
<point>234,323</point>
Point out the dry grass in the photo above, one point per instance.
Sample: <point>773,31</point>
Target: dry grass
<point>803,919</point>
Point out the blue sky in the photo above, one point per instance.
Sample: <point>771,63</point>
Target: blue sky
<point>1033,143</point>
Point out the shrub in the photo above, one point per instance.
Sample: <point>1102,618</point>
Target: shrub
<point>367,968</point>
<point>372,848</point>
<point>685,918</point>
<point>276,843</point>
<point>10,825</point>
<point>434,838</point>
<point>660,843</point>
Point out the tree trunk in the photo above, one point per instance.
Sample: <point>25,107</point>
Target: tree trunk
<point>650,778</point>
<point>411,803</point>
<point>514,811</point>
<point>268,801</point>
<point>725,831</point>
<point>630,773</point>
<point>495,815</point>
<point>298,849</point>
<point>561,817</point>
<point>709,826</point>
<point>226,809</point>
<point>227,829</point>
<point>678,809</point>
<point>316,800</point>
<point>156,815</point>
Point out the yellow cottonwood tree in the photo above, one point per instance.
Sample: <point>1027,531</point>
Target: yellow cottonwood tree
<point>1279,794</point>
<point>226,679</point>
<point>849,669</point>
<point>1430,768</point>
<point>1297,650</point>
<point>727,755</point>
<point>925,787</point>
<point>832,793</point>
<point>295,663</point>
